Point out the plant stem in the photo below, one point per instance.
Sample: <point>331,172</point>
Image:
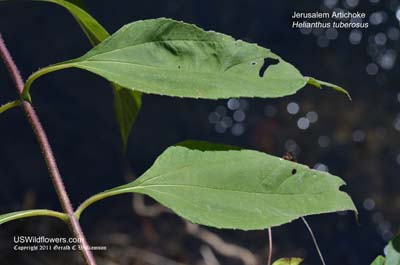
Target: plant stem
<point>98,197</point>
<point>269,262</point>
<point>33,213</point>
<point>314,240</point>
<point>47,155</point>
<point>10,105</point>
<point>52,68</point>
<point>90,201</point>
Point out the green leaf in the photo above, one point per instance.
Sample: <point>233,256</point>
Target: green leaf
<point>392,252</point>
<point>168,57</point>
<point>4,218</point>
<point>93,29</point>
<point>127,103</point>
<point>9,105</point>
<point>288,261</point>
<point>319,84</point>
<point>380,260</point>
<point>234,188</point>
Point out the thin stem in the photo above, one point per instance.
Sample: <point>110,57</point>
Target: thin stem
<point>47,155</point>
<point>9,105</point>
<point>314,240</point>
<point>269,262</point>
<point>96,198</point>
<point>52,68</point>
<point>32,213</point>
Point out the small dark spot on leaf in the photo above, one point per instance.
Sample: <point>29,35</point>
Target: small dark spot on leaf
<point>267,62</point>
<point>294,171</point>
<point>179,67</point>
<point>265,186</point>
<point>253,63</point>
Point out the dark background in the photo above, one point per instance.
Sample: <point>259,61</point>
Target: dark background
<point>357,140</point>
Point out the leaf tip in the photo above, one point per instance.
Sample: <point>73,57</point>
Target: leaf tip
<point>318,84</point>
<point>288,261</point>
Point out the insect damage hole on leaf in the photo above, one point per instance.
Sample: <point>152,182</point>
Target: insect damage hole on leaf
<point>294,171</point>
<point>267,63</point>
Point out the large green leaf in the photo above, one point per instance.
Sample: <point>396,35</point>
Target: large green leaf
<point>126,102</point>
<point>231,188</point>
<point>4,218</point>
<point>288,261</point>
<point>392,253</point>
<point>168,57</point>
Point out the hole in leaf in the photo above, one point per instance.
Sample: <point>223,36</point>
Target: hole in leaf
<point>294,171</point>
<point>253,63</point>
<point>267,62</point>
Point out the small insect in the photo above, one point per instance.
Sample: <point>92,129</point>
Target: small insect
<point>289,156</point>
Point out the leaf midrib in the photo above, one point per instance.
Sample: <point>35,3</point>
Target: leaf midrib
<point>251,80</point>
<point>227,190</point>
<point>271,207</point>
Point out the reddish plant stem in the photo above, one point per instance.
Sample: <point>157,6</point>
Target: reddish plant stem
<point>48,155</point>
<point>269,262</point>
